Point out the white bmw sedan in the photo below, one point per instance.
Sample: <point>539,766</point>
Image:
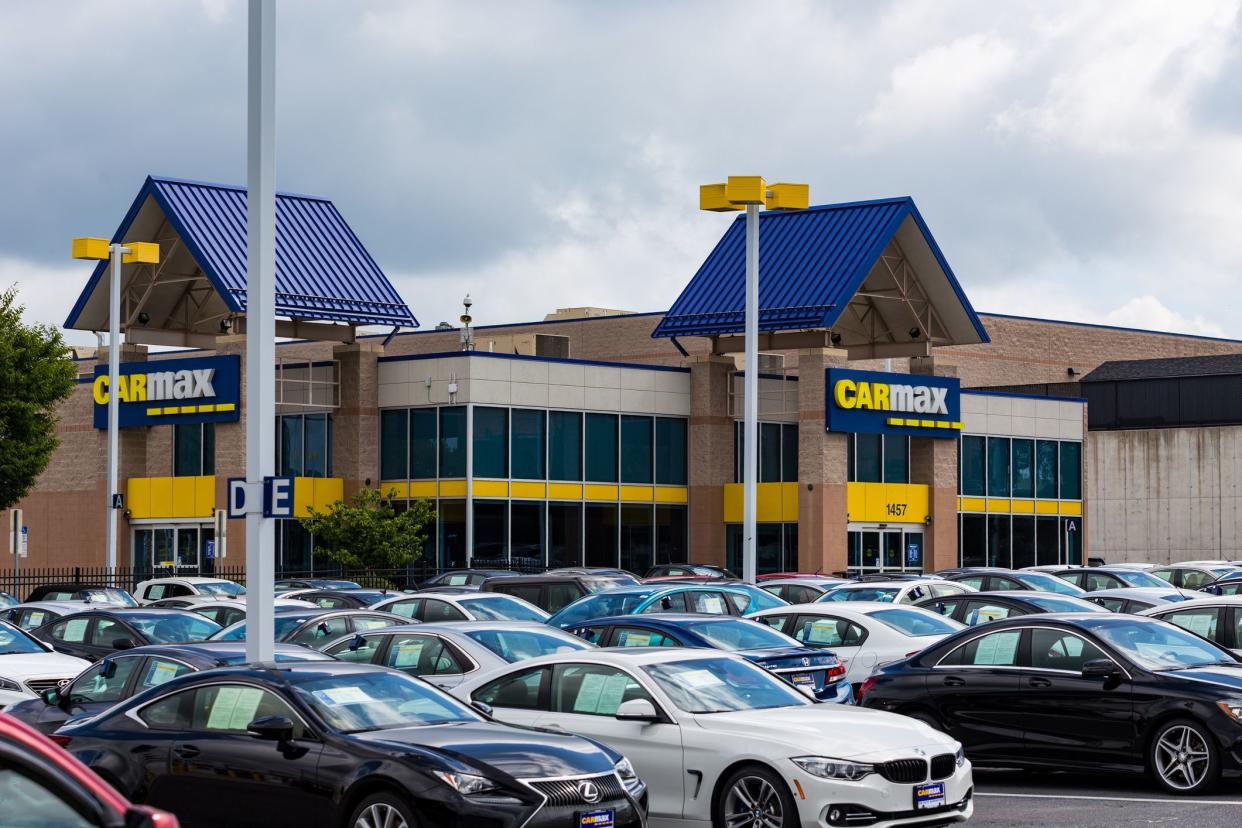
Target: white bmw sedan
<point>723,742</point>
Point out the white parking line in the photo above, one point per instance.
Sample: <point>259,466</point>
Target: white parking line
<point>1118,799</point>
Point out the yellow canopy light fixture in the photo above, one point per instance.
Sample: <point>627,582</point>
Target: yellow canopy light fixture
<point>741,190</point>
<point>132,252</point>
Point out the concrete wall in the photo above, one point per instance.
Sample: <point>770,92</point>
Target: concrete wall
<point>1163,495</point>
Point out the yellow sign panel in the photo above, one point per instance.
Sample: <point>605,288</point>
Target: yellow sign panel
<point>887,502</point>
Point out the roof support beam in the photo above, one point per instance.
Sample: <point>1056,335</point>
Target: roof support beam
<point>774,341</point>
<point>181,339</point>
<point>298,329</point>
<point>890,350</point>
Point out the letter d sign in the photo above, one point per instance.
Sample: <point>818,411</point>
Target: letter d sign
<point>278,497</point>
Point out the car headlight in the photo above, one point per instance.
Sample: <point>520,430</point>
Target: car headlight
<point>828,768</point>
<point>626,772</point>
<point>961,756</point>
<point>1232,709</point>
<point>9,684</point>
<point>466,783</point>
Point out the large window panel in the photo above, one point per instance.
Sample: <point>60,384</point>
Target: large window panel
<point>868,458</point>
<point>637,530</point>
<point>491,533</point>
<point>789,562</point>
<point>1071,471</point>
<point>601,535</point>
<point>564,445</point>
<point>453,441</point>
<point>671,536</point>
<point>974,540</point>
<point>896,458</point>
<point>972,473</point>
<point>999,552</point>
<point>1071,540</point>
<point>998,467</point>
<point>452,534</point>
<point>1047,540</point>
<point>789,454</point>
<point>423,443</point>
<point>601,448</point>
<point>526,524</point>
<point>526,443</point>
<point>318,452</point>
<point>1023,541</point>
<point>564,534</point>
<point>670,451</point>
<point>1046,469</point>
<point>394,434</point>
<point>637,445</point>
<point>768,537</point>
<point>290,446</point>
<point>769,452</point>
<point>194,449</point>
<point>1023,468</point>
<point>491,442</point>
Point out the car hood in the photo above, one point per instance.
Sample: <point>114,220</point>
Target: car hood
<point>521,752</point>
<point>839,731</point>
<point>23,666</point>
<point>1229,676</point>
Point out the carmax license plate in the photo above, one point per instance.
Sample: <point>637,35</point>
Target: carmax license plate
<point>597,819</point>
<point>803,678</point>
<point>929,796</point>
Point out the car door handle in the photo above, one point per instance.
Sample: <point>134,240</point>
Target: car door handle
<point>186,751</point>
<point>1035,681</point>
<point>954,681</point>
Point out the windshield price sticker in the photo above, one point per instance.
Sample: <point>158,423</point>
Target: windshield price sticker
<point>343,695</point>
<point>699,679</point>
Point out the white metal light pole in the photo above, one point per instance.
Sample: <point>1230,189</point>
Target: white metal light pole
<point>260,323</point>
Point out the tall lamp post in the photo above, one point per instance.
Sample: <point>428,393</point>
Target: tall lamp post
<point>127,253</point>
<point>748,192</point>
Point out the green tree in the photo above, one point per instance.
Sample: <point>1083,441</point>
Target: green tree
<point>36,374</point>
<point>367,533</point>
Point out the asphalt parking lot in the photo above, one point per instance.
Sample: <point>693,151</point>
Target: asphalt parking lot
<point>1012,798</point>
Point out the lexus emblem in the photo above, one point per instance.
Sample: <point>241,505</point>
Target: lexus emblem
<point>589,792</point>
<point>806,662</point>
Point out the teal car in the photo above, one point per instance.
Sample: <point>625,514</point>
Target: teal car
<point>733,599</point>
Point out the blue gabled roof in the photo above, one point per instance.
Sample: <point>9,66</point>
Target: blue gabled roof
<point>322,270</point>
<point>811,263</point>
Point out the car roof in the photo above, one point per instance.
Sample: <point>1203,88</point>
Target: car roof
<point>1208,601</point>
<point>1136,592</point>
<point>189,579</point>
<point>461,627</point>
<point>669,619</point>
<point>169,612</point>
<point>628,656</point>
<point>854,585</point>
<point>847,608</point>
<point>67,606</point>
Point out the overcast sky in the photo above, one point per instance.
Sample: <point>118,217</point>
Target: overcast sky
<point>1077,160</point>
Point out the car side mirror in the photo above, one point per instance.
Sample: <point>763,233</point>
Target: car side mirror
<point>637,710</point>
<point>484,708</point>
<point>140,816</point>
<point>1213,589</point>
<point>109,666</point>
<point>358,643</point>
<point>51,696</point>
<point>271,728</point>
<point>1100,668</point>
<point>666,603</point>
<point>122,644</point>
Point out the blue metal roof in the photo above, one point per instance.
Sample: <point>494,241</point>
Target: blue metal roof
<point>811,263</point>
<point>322,270</point>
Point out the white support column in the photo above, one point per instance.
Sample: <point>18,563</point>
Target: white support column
<point>750,428</point>
<point>261,323</point>
<point>469,485</point>
<point>114,402</point>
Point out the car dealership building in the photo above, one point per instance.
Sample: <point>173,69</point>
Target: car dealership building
<point>900,430</point>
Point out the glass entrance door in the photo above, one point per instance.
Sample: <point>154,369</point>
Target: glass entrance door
<point>169,550</point>
<point>885,548</point>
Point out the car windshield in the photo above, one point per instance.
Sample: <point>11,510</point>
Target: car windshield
<point>1052,604</point>
<point>740,634</point>
<point>336,585</point>
<point>173,629</point>
<point>1221,571</point>
<point>719,685</point>
<point>502,608</point>
<point>284,624</point>
<point>600,605</point>
<point>222,589</point>
<point>756,599</point>
<point>1135,578</point>
<point>15,642</point>
<point>1050,583</point>
<point>519,645</point>
<point>1157,645</point>
<point>106,595</point>
<point>357,702</point>
<point>884,595</point>
<point>709,572</point>
<point>913,623</point>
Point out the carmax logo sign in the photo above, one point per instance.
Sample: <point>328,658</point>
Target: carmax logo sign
<point>873,402</point>
<point>200,390</point>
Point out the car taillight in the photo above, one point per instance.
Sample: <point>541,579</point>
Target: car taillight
<point>866,687</point>
<point>836,672</point>
<point>60,739</point>
<point>912,652</point>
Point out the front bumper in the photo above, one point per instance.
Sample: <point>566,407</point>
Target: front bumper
<point>875,802</point>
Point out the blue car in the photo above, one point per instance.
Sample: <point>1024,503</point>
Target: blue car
<point>804,667</point>
<point>734,599</point>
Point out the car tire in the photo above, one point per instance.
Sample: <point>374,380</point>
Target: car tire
<point>381,810</point>
<point>1183,757</point>
<point>753,788</point>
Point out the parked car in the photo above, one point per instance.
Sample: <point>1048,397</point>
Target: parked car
<point>618,575</point>
<point>800,590</point>
<point>726,725</point>
<point>446,654</point>
<point>894,592</point>
<point>689,570</point>
<point>224,611</point>
<point>125,674</point>
<point>100,632</point>
<point>316,626</point>
<point>91,593</point>
<point>1000,580</point>
<point>548,592</point>
<point>384,750</point>
<point>432,607</point>
<point>157,588</point>
<point>1136,599</point>
<point>1063,691</point>
<point>28,666</point>
<point>784,576</point>
<point>33,615</point>
<point>54,790</point>
<point>1225,586</point>
<point>342,598</point>
<point>1217,619</point>
<point>317,583</point>
<point>1101,577</point>
<point>7,600</point>
<point>649,598</point>
<point>1194,576</point>
<point>465,577</point>
<point>817,672</point>
<point>982,607</point>
<point>863,635</point>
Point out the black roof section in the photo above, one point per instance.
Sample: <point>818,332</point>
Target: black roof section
<point>1167,368</point>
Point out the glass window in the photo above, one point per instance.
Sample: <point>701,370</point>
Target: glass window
<point>230,708</point>
<point>520,690</point>
<point>452,529</point>
<point>1071,534</point>
<point>564,445</point>
<point>896,458</point>
<point>290,446</point>
<point>107,631</point>
<point>362,654</point>
<point>789,453</point>
<point>638,637</point>
<point>1071,471</point>
<point>637,554</point>
<point>1023,542</point>
<point>636,448</point>
<point>317,451</point>
<point>601,535</point>
<point>717,685</point>
<point>710,603</point>
<point>868,457</point>
<point>999,553</point>
<point>827,632</point>
<point>356,702</point>
<point>972,466</point>
<point>526,532</point>
<point>1023,468</point>
<point>1201,621</point>
<point>559,596</point>
<point>593,689</point>
<point>453,441</point>
<point>158,671</point>
<point>912,622</point>
<point>999,649</point>
<point>769,452</point>
<point>519,645</point>
<point>564,534</point>
<point>526,450</point>
<point>981,612</point>
<point>423,443</point>
<point>1047,541</point>
<point>490,531</point>
<point>423,655</point>
<point>1055,650</point>
<point>30,803</point>
<point>194,449</point>
<point>170,713</point>
<point>974,540</point>
<point>491,440</point>
<point>394,448</point>
<point>601,447</point>
<point>93,686</point>
<point>998,467</point>
<point>321,632</point>
<point>436,611</point>
<point>670,534</point>
<point>1045,469</point>
<point>670,444</point>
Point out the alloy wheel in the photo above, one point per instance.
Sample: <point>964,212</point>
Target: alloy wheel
<point>380,815</point>
<point>753,802</point>
<point>1182,757</point>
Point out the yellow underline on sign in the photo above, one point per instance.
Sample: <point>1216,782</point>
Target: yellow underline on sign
<point>209,408</point>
